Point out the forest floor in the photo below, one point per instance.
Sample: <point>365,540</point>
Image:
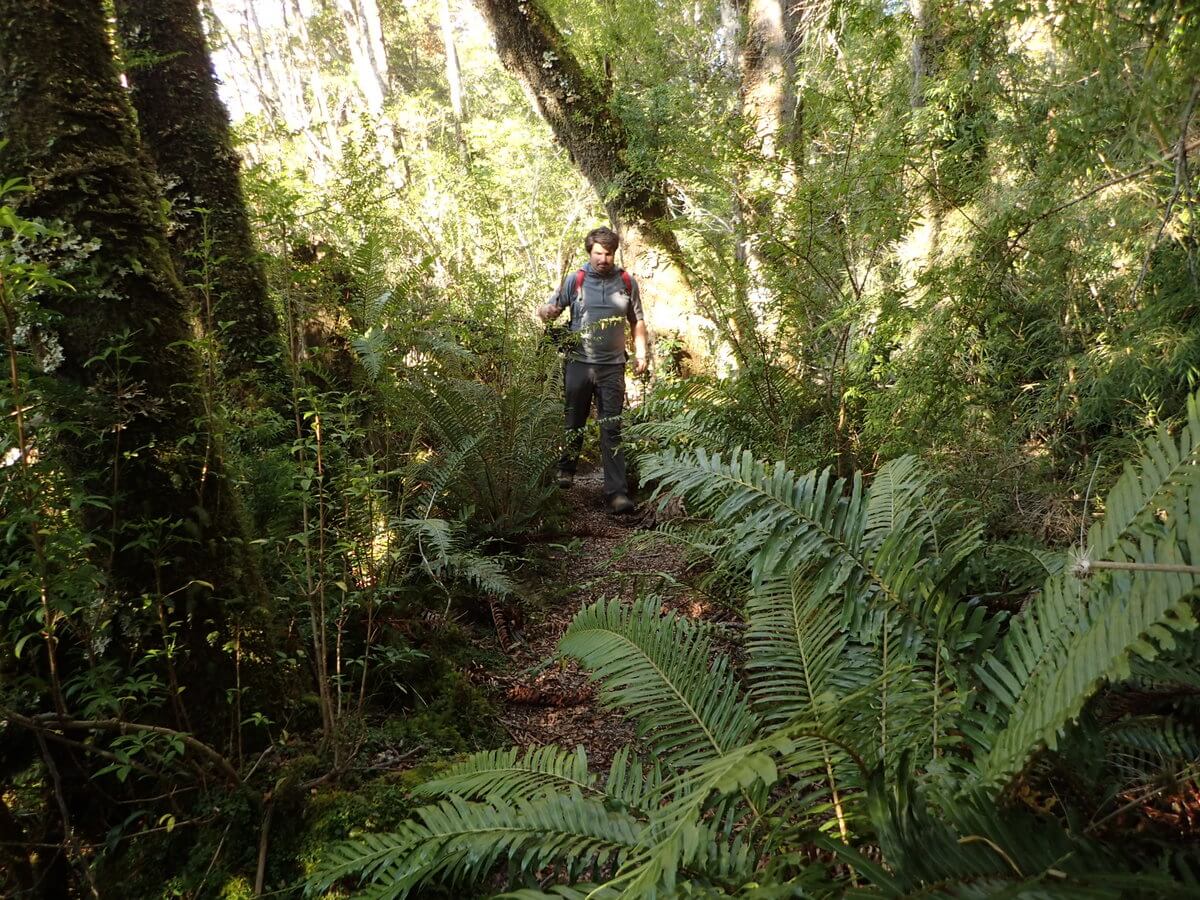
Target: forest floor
<point>545,701</point>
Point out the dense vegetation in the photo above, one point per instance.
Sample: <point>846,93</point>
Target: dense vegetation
<point>279,436</point>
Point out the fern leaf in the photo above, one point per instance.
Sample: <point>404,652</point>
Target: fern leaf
<point>973,849</point>
<point>1121,613</point>
<point>794,647</point>
<point>658,668</point>
<point>1165,462</point>
<point>506,775</point>
<point>878,555</point>
<point>459,842</point>
<point>371,347</point>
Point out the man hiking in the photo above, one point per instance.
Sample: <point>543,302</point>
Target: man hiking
<point>602,297</point>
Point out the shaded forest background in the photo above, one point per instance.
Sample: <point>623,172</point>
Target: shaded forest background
<point>280,429</point>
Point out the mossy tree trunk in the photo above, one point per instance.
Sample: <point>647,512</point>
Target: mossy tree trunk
<point>185,128</point>
<point>577,108</point>
<point>139,439</point>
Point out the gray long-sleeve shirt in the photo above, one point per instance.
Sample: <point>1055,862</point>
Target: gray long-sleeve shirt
<point>599,312</point>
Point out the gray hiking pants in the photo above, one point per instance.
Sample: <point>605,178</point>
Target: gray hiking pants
<point>581,382</point>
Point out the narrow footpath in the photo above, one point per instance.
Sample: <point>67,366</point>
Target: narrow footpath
<point>548,702</point>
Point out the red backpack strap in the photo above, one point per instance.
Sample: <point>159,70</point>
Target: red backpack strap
<point>625,277</point>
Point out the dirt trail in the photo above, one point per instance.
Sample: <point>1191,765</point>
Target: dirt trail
<point>555,704</point>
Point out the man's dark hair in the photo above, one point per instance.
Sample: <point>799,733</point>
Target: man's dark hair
<point>605,237</point>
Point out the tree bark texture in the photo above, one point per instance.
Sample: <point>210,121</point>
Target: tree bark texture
<point>453,77</point>
<point>185,128</point>
<point>767,104</point>
<point>141,442</point>
<point>364,36</point>
<point>769,75</point>
<point>577,109</point>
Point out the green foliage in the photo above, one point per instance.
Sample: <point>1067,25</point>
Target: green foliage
<point>686,706</point>
<point>495,448</point>
<point>845,716</point>
<point>1084,627</point>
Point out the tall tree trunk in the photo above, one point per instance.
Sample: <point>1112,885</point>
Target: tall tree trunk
<point>297,25</point>
<point>924,68</point>
<point>453,77</point>
<point>71,133</point>
<point>577,109</point>
<point>768,75</point>
<point>767,99</point>
<point>364,35</point>
<point>185,127</point>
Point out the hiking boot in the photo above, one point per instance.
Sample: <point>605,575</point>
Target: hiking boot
<point>564,479</point>
<point>620,504</point>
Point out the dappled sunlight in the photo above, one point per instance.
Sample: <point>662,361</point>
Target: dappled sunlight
<point>607,449</point>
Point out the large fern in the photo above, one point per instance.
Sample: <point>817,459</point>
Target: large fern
<point>494,449</point>
<point>504,775</point>
<point>688,708</point>
<point>1089,622</point>
<point>878,556</point>
<point>456,841</point>
<point>860,652</point>
<point>975,850</point>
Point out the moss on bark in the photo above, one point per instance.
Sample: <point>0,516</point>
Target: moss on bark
<point>185,129</point>
<point>578,111</point>
<point>139,414</point>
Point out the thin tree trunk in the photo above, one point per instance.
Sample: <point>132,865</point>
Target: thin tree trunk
<point>301,13</point>
<point>364,35</point>
<point>71,133</point>
<point>768,96</point>
<point>185,128</point>
<point>767,99</point>
<point>453,77</point>
<point>924,67</point>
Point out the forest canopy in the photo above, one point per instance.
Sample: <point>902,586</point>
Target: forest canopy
<point>300,597</point>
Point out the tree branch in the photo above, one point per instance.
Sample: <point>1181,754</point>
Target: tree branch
<point>50,721</point>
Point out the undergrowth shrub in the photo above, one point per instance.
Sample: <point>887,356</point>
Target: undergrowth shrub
<point>883,720</point>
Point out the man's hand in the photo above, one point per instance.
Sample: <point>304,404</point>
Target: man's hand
<point>548,311</point>
<point>640,347</point>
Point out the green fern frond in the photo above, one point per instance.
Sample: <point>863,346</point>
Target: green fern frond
<point>658,668</point>
<point>444,551</point>
<point>794,647</point>
<point>1177,671</point>
<point>973,849</point>
<point>710,813</point>
<point>779,521</point>
<point>680,835</point>
<point>562,892</point>
<point>632,784</point>
<point>459,843</point>
<point>507,775</point>
<point>498,446</point>
<point>372,349</point>
<point>1079,634</point>
<point>1165,463</point>
<point>1161,737</point>
<point>1043,561</point>
<point>447,467</point>
<point>1038,634</point>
